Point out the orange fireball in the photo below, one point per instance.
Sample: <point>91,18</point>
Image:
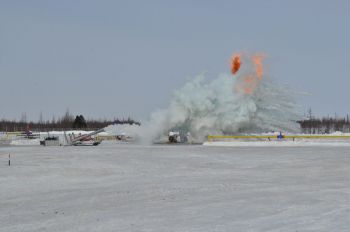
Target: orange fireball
<point>249,78</point>
<point>236,63</point>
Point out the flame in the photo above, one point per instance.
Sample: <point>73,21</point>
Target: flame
<point>248,84</point>
<point>249,80</point>
<point>236,63</point>
<point>257,60</point>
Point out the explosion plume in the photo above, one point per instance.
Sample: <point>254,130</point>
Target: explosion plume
<point>248,103</point>
<point>251,76</point>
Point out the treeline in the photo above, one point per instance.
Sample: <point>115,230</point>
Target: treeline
<point>66,122</point>
<point>325,125</point>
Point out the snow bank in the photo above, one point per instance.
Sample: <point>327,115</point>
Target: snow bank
<point>25,142</point>
<point>277,143</point>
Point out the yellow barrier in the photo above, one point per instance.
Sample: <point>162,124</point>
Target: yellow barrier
<point>14,133</point>
<point>211,137</point>
<point>8,135</point>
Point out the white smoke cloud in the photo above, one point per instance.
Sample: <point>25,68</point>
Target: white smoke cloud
<point>215,107</point>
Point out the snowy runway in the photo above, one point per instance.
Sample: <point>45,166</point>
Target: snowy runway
<point>120,187</point>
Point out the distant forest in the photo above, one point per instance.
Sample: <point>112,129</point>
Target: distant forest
<point>310,125</point>
<point>325,125</point>
<point>66,122</point>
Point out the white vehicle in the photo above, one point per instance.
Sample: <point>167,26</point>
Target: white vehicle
<point>174,137</point>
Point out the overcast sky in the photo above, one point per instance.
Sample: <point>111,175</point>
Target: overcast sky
<point>119,58</point>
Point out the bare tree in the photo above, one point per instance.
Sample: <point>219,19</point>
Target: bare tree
<point>23,117</point>
<point>309,114</point>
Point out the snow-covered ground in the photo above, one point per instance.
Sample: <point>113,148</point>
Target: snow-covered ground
<point>125,187</point>
<point>25,142</point>
<point>282,143</point>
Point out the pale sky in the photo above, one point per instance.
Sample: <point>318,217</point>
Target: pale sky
<point>124,58</point>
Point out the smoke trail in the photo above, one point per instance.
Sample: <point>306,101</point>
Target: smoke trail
<point>257,60</point>
<point>226,105</point>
